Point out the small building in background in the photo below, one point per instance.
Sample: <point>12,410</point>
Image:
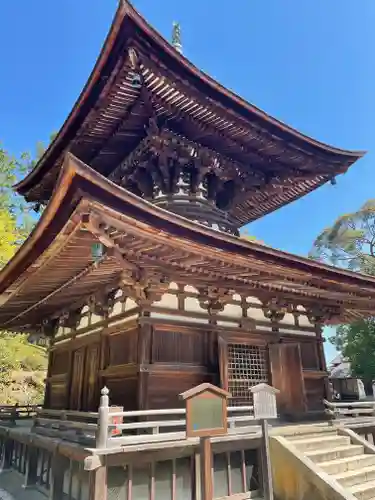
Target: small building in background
<point>345,387</point>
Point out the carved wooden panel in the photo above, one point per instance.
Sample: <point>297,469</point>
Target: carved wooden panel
<point>122,348</point>
<point>177,347</point>
<point>77,379</point>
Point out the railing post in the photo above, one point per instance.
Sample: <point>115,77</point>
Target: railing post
<point>14,414</point>
<point>31,466</point>
<point>103,419</point>
<point>58,466</point>
<point>7,451</point>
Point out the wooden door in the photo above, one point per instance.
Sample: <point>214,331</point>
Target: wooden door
<point>287,376</point>
<point>76,386</point>
<point>90,396</point>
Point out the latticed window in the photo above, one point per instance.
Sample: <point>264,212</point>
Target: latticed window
<point>247,366</point>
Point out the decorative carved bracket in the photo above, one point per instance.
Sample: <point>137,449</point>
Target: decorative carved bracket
<point>142,287</point>
<point>320,315</point>
<point>49,327</point>
<point>70,319</point>
<point>274,309</point>
<point>214,299</point>
<point>102,302</point>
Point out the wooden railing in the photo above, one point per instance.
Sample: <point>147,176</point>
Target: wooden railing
<point>131,427</point>
<point>353,409</point>
<point>18,412</point>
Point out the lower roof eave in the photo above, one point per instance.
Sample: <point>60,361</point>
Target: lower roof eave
<point>87,208</point>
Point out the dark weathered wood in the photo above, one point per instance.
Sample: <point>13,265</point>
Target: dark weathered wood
<point>287,376</point>
<point>59,465</point>
<point>206,469</point>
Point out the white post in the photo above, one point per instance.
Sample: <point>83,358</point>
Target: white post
<point>265,408</point>
<point>103,419</point>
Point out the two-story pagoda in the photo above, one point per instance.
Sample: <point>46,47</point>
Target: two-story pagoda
<point>135,270</point>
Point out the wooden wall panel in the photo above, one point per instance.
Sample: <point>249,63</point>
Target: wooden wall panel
<point>76,386</point>
<point>90,395</point>
<point>287,376</point>
<point>59,362</point>
<point>164,388</point>
<point>57,395</point>
<point>122,348</point>
<point>180,347</point>
<point>309,355</point>
<point>123,392</point>
<point>315,393</point>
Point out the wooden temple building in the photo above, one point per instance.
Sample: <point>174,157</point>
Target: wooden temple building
<point>136,271</point>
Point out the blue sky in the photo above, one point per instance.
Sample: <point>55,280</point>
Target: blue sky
<point>308,63</point>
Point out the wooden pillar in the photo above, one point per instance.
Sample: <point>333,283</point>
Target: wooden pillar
<point>47,391</point>
<point>144,359</point>
<point>322,361</point>
<point>98,484</point>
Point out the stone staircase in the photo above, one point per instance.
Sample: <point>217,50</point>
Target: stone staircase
<point>337,456</point>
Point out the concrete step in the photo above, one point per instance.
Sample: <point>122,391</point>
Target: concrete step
<point>320,443</point>
<point>323,455</point>
<point>364,491</point>
<point>338,466</point>
<point>354,477</point>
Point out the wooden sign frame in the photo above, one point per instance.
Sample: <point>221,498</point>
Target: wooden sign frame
<point>205,391</point>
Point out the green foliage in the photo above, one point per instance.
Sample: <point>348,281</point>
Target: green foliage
<point>22,365</point>
<point>357,343</point>
<point>350,242</point>
<point>22,370</point>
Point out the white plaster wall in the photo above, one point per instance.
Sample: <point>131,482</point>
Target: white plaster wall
<point>172,317</point>
<point>168,300</point>
<point>232,310</point>
<point>192,304</point>
<point>257,314</point>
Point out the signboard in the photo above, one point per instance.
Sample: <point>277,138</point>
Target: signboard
<point>206,411</point>
<point>264,397</point>
<point>115,420</point>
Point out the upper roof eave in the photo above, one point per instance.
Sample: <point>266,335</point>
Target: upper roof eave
<point>97,187</point>
<point>232,101</point>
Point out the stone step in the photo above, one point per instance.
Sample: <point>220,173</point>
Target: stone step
<point>320,443</point>
<point>311,435</point>
<point>323,455</point>
<point>354,477</point>
<point>364,491</point>
<point>347,464</point>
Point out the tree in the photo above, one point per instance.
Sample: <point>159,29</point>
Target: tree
<point>350,242</point>
<point>357,343</point>
<point>22,365</point>
<point>16,218</point>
